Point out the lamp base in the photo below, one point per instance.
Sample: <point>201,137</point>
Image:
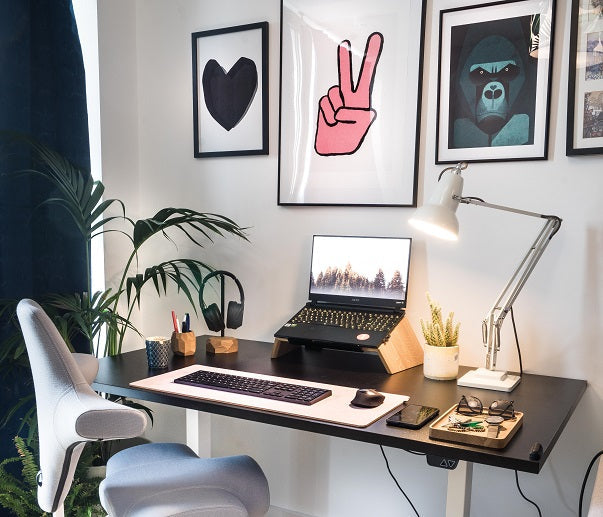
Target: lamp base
<point>489,380</point>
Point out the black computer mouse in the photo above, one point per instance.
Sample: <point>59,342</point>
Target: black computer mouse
<point>367,397</point>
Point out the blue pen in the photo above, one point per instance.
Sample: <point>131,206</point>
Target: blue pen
<point>187,321</point>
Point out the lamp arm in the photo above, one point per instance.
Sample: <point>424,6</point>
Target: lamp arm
<point>493,321</point>
<point>468,200</point>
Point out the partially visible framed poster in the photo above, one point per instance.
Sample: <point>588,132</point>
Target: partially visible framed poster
<point>350,102</point>
<point>585,92</point>
<point>230,91</point>
<point>494,81</point>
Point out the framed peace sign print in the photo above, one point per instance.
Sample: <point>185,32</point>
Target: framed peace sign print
<point>350,102</point>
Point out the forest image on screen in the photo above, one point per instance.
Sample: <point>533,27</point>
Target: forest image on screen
<point>363,267</point>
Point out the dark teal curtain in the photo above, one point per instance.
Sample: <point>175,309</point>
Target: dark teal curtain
<point>42,94</point>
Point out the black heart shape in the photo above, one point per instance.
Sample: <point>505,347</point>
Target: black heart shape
<point>229,95</point>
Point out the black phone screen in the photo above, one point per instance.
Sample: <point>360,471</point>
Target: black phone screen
<point>413,416</point>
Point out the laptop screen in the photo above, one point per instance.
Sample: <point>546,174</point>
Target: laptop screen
<point>364,271</point>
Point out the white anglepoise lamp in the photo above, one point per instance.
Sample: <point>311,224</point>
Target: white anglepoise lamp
<point>438,217</point>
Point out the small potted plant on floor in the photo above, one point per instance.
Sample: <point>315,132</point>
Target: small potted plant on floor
<point>441,345</point>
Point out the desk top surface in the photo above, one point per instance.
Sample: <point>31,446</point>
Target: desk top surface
<point>547,402</point>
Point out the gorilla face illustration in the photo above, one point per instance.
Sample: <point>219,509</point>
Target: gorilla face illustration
<point>492,82</point>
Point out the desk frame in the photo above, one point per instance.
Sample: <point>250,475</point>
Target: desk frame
<point>547,403</point>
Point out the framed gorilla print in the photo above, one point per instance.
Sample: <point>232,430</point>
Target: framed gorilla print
<point>350,102</point>
<point>230,91</point>
<point>494,81</point>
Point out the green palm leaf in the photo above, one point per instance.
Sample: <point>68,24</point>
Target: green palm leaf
<point>80,195</point>
<point>26,402</point>
<point>12,346</point>
<point>184,273</point>
<point>84,315</point>
<point>190,222</point>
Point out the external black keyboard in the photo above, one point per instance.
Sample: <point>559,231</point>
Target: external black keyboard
<point>298,394</point>
<point>356,320</point>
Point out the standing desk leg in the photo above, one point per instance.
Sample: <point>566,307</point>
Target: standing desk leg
<point>458,494</point>
<point>198,432</point>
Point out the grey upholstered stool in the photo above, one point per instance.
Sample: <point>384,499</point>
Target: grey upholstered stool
<point>152,480</point>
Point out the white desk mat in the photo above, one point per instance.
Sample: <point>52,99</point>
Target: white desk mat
<point>335,409</point>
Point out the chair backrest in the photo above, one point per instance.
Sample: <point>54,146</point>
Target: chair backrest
<point>69,412</point>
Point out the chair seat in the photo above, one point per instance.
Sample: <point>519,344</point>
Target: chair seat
<point>169,479</point>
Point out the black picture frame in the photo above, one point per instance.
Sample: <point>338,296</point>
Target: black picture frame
<point>379,166</point>
<point>585,80</point>
<point>502,50</point>
<point>230,91</point>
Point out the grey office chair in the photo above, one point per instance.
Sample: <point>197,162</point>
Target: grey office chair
<point>154,479</point>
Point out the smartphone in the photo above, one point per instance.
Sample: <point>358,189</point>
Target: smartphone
<point>413,416</point>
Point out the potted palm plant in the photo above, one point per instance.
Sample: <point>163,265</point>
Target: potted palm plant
<point>441,361</point>
<point>87,314</point>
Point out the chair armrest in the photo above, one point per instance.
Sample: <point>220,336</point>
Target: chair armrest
<point>84,415</point>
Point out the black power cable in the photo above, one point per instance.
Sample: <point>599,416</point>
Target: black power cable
<point>522,495</point>
<point>590,466</point>
<point>520,373</point>
<point>517,342</point>
<point>396,481</point>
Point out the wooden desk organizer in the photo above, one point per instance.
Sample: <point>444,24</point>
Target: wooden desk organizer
<point>222,345</point>
<point>400,351</point>
<point>184,343</point>
<point>439,430</point>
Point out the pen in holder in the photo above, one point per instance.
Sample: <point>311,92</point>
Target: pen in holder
<point>184,343</point>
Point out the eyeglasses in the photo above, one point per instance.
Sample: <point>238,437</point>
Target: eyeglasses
<point>470,405</point>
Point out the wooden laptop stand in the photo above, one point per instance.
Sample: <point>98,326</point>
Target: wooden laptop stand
<point>400,351</point>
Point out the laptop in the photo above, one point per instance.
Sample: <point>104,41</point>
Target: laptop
<point>358,288</point>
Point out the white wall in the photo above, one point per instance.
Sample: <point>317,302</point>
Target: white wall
<point>146,116</point>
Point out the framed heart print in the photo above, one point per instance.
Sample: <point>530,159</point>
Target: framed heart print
<point>230,91</point>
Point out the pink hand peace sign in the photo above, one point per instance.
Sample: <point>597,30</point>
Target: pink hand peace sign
<point>345,114</point>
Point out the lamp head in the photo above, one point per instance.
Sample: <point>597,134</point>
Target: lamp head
<point>438,216</point>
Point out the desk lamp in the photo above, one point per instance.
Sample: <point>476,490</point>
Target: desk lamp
<point>438,218</point>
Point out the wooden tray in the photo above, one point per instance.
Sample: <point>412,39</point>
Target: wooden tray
<point>439,431</point>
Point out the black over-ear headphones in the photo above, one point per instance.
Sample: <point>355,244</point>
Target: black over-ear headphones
<point>213,316</point>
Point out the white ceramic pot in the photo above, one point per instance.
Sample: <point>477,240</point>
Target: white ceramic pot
<point>97,472</point>
<point>441,362</point>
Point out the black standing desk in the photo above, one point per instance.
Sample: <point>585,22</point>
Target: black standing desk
<point>547,403</point>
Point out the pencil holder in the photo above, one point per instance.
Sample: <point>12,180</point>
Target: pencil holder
<point>158,351</point>
<point>184,343</point>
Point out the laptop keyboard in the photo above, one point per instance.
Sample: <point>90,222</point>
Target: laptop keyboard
<point>355,320</point>
<point>295,393</point>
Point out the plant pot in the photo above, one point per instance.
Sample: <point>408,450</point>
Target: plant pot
<point>99,471</point>
<point>441,363</point>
